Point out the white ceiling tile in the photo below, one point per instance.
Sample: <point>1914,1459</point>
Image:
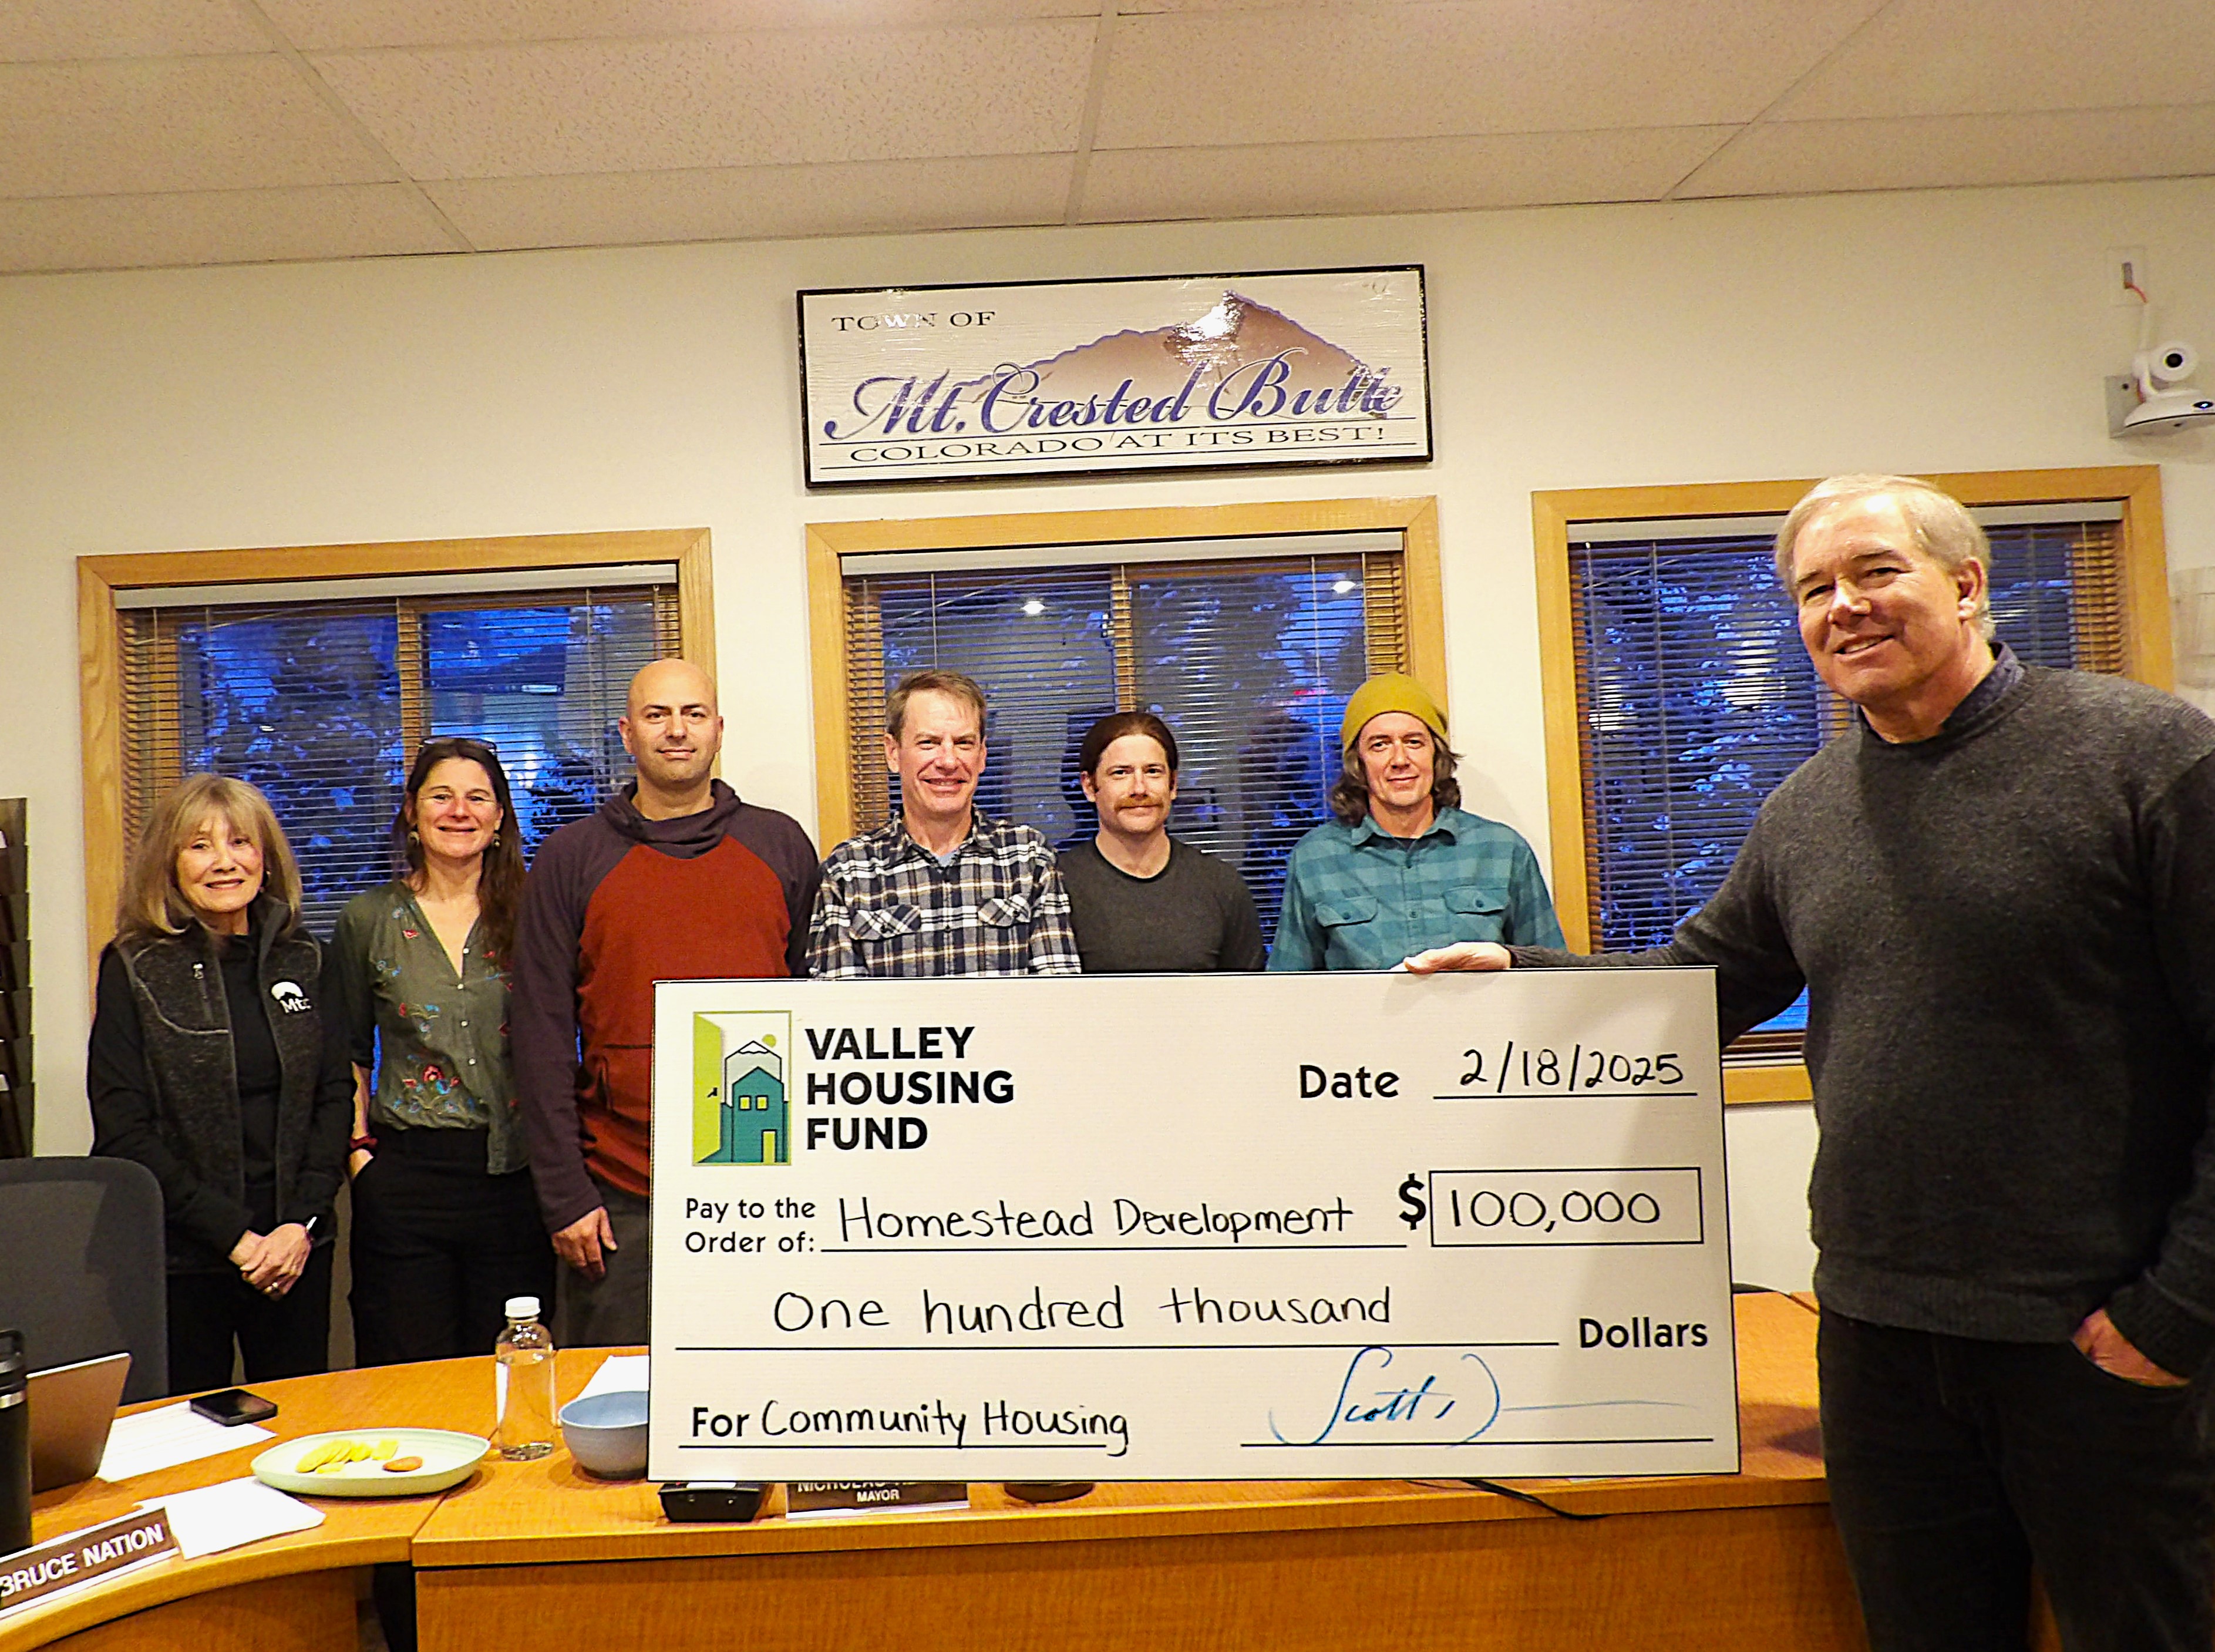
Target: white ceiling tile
<point>122,125</point>
<point>1974,57</point>
<point>227,227</point>
<point>359,25</point>
<point>32,31</point>
<point>1312,73</point>
<point>720,100</point>
<point>1939,151</point>
<point>135,132</point>
<point>748,203</point>
<point>1419,175</point>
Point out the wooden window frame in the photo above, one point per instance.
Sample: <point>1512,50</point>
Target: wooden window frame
<point>1415,519</point>
<point>2149,658</point>
<point>99,634</point>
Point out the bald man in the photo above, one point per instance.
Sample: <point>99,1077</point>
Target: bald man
<point>673,879</point>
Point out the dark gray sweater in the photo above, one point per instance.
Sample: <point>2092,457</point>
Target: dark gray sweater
<point>2008,932</point>
<point>1196,913</point>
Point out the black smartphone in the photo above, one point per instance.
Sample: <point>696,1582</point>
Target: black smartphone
<point>232,1406</point>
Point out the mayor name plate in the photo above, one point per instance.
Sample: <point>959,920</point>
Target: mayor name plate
<point>1191,1227</point>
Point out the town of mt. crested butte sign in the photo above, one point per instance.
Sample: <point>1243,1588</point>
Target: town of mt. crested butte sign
<point>907,384</point>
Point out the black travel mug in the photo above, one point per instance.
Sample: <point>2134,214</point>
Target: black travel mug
<point>15,1444</point>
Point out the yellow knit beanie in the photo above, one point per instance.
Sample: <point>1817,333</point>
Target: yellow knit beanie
<point>1392,692</point>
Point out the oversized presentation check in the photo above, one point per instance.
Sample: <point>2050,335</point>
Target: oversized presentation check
<point>1191,1227</point>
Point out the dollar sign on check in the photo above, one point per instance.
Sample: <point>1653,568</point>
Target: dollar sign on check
<point>1411,1196</point>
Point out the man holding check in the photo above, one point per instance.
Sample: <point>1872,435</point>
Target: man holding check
<point>1999,887</point>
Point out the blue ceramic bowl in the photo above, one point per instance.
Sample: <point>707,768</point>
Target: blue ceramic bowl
<point>606,1434</point>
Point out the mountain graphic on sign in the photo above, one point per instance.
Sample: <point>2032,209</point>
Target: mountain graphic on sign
<point>759,1060</point>
<point>1234,333</point>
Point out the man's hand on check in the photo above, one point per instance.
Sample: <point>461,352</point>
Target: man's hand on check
<point>2098,1340</point>
<point>1462,954</point>
<point>579,1244</point>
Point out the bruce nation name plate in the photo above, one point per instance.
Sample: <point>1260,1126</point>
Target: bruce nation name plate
<point>1191,1227</point>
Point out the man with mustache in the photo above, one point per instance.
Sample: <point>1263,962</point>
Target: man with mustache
<point>1141,901</point>
<point>673,879</point>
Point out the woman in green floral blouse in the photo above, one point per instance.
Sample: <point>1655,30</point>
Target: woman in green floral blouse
<point>446,1226</point>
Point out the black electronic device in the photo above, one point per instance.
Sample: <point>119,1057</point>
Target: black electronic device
<point>15,1064</point>
<point>15,1444</point>
<point>713,1500</point>
<point>232,1406</point>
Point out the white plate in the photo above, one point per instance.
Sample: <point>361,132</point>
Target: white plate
<point>448,1459</point>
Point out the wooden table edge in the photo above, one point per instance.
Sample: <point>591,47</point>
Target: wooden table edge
<point>970,1528</point>
<point>167,1581</point>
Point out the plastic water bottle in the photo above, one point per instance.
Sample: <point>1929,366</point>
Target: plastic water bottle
<point>524,1377</point>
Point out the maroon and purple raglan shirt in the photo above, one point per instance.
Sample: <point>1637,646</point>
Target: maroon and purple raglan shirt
<point>614,903</point>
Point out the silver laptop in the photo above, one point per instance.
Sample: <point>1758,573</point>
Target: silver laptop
<point>71,1406</point>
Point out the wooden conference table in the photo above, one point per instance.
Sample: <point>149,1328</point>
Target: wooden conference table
<point>540,1551</point>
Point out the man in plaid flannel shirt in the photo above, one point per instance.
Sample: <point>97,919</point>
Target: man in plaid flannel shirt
<point>939,889</point>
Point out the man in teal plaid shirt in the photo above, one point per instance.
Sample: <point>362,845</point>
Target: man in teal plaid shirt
<point>1404,868</point>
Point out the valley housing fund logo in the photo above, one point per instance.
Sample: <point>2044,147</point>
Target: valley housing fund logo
<point>740,1115</point>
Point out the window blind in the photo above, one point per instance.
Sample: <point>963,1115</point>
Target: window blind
<point>322,704</point>
<point>1249,658</point>
<point>1696,698</point>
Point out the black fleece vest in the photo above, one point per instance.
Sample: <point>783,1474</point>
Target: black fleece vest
<point>184,1019</point>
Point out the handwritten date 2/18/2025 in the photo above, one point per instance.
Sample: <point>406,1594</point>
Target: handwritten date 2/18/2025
<point>1516,1070</point>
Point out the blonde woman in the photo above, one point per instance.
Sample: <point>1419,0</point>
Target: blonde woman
<point>210,1064</point>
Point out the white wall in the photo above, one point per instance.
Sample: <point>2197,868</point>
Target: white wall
<point>2192,595</point>
<point>545,392</point>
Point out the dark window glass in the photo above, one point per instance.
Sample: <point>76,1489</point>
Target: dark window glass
<point>1251,671</point>
<point>1697,699</point>
<point>1038,643</point>
<point>545,685</point>
<point>306,707</point>
<point>312,704</point>
<point>1250,664</point>
<point>2035,594</point>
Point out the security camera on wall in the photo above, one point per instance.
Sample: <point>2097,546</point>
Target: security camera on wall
<point>2167,397</point>
<point>2159,395</point>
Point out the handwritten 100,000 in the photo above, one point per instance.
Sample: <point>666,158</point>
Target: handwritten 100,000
<point>1581,1070</point>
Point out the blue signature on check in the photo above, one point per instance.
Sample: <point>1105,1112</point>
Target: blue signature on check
<point>1425,1396</point>
<point>1389,1394</point>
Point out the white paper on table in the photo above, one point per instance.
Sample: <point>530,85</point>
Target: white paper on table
<point>162,1439</point>
<point>222,1516</point>
<point>619,1373</point>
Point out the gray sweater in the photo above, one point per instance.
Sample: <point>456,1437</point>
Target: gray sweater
<point>1196,913</point>
<point>2008,932</point>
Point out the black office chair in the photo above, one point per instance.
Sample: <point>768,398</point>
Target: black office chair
<point>83,1263</point>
